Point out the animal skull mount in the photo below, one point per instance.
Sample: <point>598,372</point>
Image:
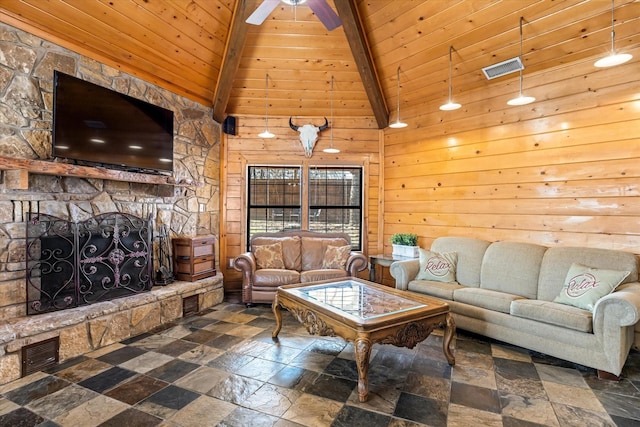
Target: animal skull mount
<point>309,135</point>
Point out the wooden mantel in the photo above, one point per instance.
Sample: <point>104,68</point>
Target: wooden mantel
<point>17,173</point>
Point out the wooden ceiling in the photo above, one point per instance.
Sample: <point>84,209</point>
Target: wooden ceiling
<point>204,50</point>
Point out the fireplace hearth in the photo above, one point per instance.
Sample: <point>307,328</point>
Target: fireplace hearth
<point>70,264</point>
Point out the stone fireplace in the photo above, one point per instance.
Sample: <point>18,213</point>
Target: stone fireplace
<point>26,90</point>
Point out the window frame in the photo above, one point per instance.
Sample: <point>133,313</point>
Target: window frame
<point>305,170</point>
<point>344,207</point>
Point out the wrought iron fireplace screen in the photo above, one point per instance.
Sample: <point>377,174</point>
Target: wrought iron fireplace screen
<point>77,263</point>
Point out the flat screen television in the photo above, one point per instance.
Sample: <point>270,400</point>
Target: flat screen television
<point>98,126</point>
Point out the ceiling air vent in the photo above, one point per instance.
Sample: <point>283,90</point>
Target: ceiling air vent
<point>502,68</point>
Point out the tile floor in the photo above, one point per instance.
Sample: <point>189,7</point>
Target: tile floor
<point>221,368</point>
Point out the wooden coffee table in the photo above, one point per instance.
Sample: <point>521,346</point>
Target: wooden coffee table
<point>365,313</point>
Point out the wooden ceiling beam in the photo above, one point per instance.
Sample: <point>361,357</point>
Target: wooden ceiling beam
<point>232,56</point>
<point>353,29</point>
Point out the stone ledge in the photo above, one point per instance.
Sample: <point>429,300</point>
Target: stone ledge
<point>88,328</point>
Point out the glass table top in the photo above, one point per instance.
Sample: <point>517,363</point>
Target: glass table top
<point>355,299</point>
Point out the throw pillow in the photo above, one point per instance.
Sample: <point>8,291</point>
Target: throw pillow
<point>269,256</point>
<point>584,286</point>
<point>437,267</point>
<point>336,257</point>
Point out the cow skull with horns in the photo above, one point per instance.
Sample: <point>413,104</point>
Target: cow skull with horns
<point>309,135</point>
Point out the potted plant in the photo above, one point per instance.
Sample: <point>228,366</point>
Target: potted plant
<point>405,244</point>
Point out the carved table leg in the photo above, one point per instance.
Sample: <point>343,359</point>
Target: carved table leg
<point>276,311</point>
<point>362,347</point>
<point>449,332</point>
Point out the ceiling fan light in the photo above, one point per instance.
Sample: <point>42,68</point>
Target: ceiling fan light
<point>521,100</point>
<point>293,2</point>
<point>450,106</point>
<point>613,59</point>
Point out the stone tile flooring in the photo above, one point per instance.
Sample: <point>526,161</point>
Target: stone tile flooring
<point>221,368</point>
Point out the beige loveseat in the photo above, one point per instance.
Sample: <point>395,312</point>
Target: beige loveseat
<point>306,256</point>
<point>506,291</point>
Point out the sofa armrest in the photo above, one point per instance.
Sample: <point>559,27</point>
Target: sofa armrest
<point>246,263</point>
<point>404,272</point>
<point>621,307</point>
<point>356,262</point>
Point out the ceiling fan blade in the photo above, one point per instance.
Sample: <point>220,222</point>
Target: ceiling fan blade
<point>325,14</point>
<point>262,12</point>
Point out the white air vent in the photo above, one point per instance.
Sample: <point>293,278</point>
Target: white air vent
<point>502,68</point>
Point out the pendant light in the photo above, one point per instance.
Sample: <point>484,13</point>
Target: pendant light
<point>331,150</point>
<point>521,99</point>
<point>398,124</point>
<point>266,133</point>
<point>450,105</point>
<point>613,58</point>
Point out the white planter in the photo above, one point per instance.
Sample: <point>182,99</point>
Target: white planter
<point>406,251</point>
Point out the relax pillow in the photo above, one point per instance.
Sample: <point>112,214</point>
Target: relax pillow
<point>584,286</point>
<point>269,256</point>
<point>437,267</point>
<point>336,257</point>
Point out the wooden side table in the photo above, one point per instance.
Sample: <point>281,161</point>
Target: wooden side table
<point>379,268</point>
<point>194,257</point>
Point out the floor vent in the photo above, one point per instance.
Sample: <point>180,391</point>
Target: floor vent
<point>503,68</point>
<point>40,355</point>
<point>190,306</point>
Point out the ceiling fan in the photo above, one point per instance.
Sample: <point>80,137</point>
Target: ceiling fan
<point>320,7</point>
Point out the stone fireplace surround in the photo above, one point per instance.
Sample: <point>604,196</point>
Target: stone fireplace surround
<point>90,327</point>
<point>26,91</point>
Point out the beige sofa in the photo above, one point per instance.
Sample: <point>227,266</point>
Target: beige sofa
<point>305,258</point>
<point>506,291</point>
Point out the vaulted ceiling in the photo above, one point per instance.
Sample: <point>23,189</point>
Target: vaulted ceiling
<point>205,50</point>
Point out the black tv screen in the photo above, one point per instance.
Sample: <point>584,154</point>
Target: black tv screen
<point>97,125</point>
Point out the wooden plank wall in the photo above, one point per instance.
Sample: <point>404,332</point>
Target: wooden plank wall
<point>358,139</point>
<point>561,171</point>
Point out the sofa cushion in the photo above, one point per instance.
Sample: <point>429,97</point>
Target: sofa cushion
<point>336,257</point>
<point>558,260</point>
<point>290,249</point>
<point>437,267</point>
<point>470,253</point>
<point>485,298</point>
<point>273,278</point>
<point>313,251</point>
<point>584,286</point>
<point>512,267</point>
<point>553,314</point>
<point>269,256</point>
<point>442,290</point>
<point>323,274</point>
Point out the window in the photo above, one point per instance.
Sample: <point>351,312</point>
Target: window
<point>334,202</point>
<point>274,199</point>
